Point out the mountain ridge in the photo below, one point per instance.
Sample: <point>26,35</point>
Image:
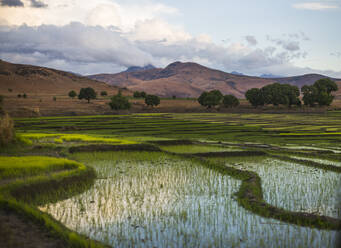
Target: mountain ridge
<point>191,79</point>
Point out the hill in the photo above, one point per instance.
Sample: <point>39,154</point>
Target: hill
<point>40,80</point>
<point>191,79</point>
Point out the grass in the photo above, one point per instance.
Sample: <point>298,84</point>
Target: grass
<point>15,167</point>
<point>197,148</point>
<point>65,178</point>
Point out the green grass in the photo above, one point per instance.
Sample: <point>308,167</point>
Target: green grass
<point>197,148</point>
<point>15,167</point>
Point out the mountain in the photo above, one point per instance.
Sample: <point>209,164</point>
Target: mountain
<point>269,76</point>
<point>40,80</point>
<point>191,79</point>
<point>139,68</point>
<point>237,73</point>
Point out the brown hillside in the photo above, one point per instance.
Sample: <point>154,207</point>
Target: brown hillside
<point>44,81</point>
<point>191,79</point>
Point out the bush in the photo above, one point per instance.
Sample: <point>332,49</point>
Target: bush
<point>230,101</point>
<point>152,100</point>
<point>210,99</point>
<point>72,94</point>
<point>119,102</point>
<point>54,98</point>
<point>24,95</point>
<point>7,133</point>
<point>19,95</point>
<point>87,93</point>
<point>10,90</point>
<point>1,100</point>
<point>104,93</point>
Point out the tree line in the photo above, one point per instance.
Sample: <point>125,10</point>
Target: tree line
<point>285,94</point>
<point>118,101</point>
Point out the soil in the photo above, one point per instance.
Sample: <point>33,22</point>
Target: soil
<point>15,231</point>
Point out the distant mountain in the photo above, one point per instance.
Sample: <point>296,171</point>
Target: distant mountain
<point>237,73</point>
<point>41,80</point>
<point>191,79</point>
<point>139,68</point>
<point>269,76</point>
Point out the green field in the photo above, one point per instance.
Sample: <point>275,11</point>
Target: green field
<point>175,180</point>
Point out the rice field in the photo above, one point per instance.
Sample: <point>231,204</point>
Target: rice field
<point>145,199</point>
<point>293,186</point>
<point>171,196</point>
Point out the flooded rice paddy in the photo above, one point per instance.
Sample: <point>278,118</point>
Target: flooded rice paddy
<point>144,199</point>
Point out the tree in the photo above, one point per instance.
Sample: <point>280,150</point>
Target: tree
<point>104,93</point>
<point>72,94</point>
<point>230,101</point>
<point>319,93</point>
<point>255,97</point>
<point>87,93</point>
<point>119,102</point>
<point>152,100</point>
<point>210,99</point>
<point>24,95</point>
<point>1,99</point>
<point>19,95</point>
<point>137,94</point>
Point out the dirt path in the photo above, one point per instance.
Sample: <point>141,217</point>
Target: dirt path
<point>17,232</point>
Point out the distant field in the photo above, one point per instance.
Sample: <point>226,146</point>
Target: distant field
<point>44,105</point>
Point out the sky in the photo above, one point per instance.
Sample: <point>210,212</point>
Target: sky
<point>254,37</point>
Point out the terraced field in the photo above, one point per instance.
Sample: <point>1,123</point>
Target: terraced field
<point>194,180</point>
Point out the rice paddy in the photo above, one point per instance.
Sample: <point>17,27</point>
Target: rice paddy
<point>158,200</point>
<point>171,187</point>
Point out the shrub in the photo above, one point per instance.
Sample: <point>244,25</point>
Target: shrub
<point>19,95</point>
<point>87,93</point>
<point>230,101</point>
<point>24,95</point>
<point>54,98</point>
<point>1,100</point>
<point>10,90</point>
<point>119,102</point>
<point>104,93</point>
<point>7,134</point>
<point>72,94</point>
<point>152,100</point>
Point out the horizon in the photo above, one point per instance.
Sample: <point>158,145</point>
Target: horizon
<point>107,36</point>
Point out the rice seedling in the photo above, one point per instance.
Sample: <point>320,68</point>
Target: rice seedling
<point>293,186</point>
<point>197,148</point>
<point>143,199</point>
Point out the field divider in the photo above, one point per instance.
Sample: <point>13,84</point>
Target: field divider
<point>327,167</point>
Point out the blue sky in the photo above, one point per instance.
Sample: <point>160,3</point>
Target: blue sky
<point>253,37</point>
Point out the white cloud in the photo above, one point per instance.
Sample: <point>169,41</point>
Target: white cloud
<point>251,40</point>
<point>315,6</point>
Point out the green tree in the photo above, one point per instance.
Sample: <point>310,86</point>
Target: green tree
<point>230,101</point>
<point>143,94</point>
<point>137,94</point>
<point>1,100</point>
<point>319,93</point>
<point>72,94</point>
<point>210,99</point>
<point>255,97</point>
<point>152,100</point>
<point>119,102</point>
<point>87,93</point>
<point>104,93</point>
<point>24,95</point>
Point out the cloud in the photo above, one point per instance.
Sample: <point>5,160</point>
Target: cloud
<point>315,6</point>
<point>336,54</point>
<point>38,4</point>
<point>251,40</point>
<point>289,45</point>
<point>12,3</point>
<point>19,3</point>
